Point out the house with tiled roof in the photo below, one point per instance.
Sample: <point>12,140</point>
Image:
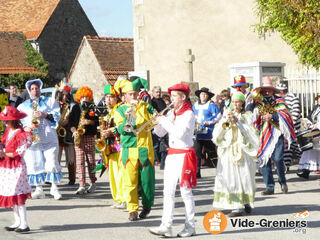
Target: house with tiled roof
<point>13,54</point>
<point>100,61</point>
<point>54,27</point>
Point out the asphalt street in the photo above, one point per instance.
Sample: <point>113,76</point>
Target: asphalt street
<point>90,216</point>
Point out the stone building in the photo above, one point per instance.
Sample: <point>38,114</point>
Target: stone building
<point>100,61</point>
<point>219,33</point>
<point>54,27</point>
<point>12,55</point>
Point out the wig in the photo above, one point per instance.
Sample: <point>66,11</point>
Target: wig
<point>84,92</point>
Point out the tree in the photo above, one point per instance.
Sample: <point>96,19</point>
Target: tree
<point>297,21</point>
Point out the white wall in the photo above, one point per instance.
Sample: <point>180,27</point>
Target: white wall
<point>217,31</point>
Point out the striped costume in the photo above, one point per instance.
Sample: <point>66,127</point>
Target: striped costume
<point>293,104</point>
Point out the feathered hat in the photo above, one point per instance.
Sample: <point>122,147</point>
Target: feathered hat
<point>64,85</point>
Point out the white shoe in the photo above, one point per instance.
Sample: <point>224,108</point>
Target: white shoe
<point>122,206</point>
<point>188,231</point>
<point>81,190</point>
<point>38,194</point>
<point>115,205</point>
<point>91,188</point>
<point>162,231</point>
<point>55,193</point>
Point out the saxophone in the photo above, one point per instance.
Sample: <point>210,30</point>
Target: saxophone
<point>61,131</point>
<point>101,142</point>
<point>35,122</point>
<point>80,130</point>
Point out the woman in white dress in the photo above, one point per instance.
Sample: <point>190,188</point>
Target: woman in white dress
<point>237,141</point>
<point>310,159</point>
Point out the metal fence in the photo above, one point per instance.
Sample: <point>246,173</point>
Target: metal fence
<point>305,84</point>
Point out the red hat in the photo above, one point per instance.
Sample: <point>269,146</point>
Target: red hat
<point>267,84</point>
<point>239,81</point>
<point>11,113</point>
<point>179,87</point>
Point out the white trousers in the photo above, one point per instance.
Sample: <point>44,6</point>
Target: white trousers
<point>172,175</point>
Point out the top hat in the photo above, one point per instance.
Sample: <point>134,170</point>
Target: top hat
<point>239,81</point>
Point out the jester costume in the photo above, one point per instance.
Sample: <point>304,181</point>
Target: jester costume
<point>137,153</point>
<point>111,153</point>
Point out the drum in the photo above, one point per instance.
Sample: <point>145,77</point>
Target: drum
<point>312,133</point>
<point>305,143</point>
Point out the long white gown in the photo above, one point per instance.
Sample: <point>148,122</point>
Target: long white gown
<point>310,159</point>
<point>237,150</point>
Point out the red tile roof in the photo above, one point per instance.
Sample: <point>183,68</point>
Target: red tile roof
<point>115,55</point>
<point>12,54</point>
<point>27,16</point>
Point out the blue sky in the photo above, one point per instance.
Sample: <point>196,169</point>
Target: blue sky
<point>110,18</point>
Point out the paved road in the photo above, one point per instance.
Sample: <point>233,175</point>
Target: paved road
<point>90,216</point>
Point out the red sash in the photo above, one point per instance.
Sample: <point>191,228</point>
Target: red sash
<point>189,169</point>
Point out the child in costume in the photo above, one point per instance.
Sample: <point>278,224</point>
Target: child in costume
<point>181,161</point>
<point>14,186</point>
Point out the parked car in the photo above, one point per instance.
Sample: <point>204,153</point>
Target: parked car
<point>49,92</point>
<point>52,92</point>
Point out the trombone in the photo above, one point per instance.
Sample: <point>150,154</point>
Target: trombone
<point>150,122</point>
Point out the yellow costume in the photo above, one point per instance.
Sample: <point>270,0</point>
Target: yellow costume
<point>113,161</point>
<point>137,153</point>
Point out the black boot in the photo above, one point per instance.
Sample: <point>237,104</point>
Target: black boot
<point>304,174</point>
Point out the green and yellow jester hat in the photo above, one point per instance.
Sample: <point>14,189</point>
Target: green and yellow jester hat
<point>126,86</point>
<point>109,89</point>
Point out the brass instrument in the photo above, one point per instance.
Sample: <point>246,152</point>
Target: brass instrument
<point>228,124</point>
<point>80,130</point>
<point>128,127</point>
<point>150,122</point>
<point>197,127</point>
<point>101,142</point>
<point>35,122</point>
<point>263,108</point>
<point>61,131</point>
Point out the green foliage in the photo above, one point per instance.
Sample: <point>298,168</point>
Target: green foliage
<point>297,21</point>
<point>36,60</point>
<point>19,79</point>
